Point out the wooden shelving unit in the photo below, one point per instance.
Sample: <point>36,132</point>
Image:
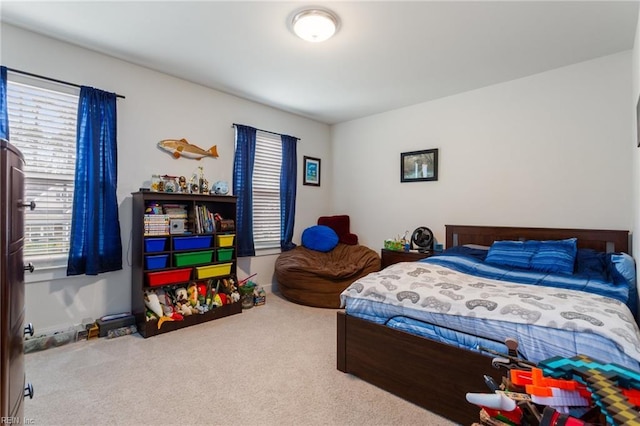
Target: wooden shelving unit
<point>163,261</point>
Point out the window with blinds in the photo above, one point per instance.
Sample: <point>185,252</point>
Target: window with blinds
<point>42,125</point>
<point>266,190</point>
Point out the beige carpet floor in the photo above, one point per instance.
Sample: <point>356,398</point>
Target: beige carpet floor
<point>271,365</point>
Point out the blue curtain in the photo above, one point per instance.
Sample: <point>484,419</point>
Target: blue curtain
<point>288,185</point>
<point>243,187</point>
<point>4,112</point>
<point>95,229</point>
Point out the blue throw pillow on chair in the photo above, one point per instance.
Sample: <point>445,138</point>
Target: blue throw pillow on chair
<point>319,238</point>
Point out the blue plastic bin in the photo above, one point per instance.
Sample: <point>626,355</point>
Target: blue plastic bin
<point>190,243</point>
<point>156,262</point>
<point>154,244</point>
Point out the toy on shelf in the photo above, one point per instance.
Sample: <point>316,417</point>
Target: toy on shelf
<point>182,301</point>
<point>160,307</point>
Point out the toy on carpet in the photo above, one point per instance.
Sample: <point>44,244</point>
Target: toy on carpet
<point>122,331</point>
<point>498,406</point>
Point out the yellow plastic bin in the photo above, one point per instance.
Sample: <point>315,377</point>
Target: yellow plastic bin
<point>211,271</point>
<point>225,240</point>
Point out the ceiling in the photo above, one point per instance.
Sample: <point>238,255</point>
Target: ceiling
<point>385,55</point>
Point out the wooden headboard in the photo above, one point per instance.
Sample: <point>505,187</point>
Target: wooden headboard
<point>601,240</point>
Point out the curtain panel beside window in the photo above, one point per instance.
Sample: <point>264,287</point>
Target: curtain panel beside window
<point>4,111</point>
<point>95,245</point>
<point>288,185</point>
<point>243,163</point>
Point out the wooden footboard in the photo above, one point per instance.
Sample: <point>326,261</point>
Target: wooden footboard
<point>432,375</point>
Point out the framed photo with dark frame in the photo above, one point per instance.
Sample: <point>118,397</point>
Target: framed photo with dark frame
<point>311,171</point>
<point>419,166</point>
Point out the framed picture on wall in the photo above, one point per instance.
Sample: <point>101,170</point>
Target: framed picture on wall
<point>311,171</point>
<point>419,166</point>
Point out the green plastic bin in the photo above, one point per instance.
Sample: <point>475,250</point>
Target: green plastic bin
<point>225,254</point>
<point>193,258</point>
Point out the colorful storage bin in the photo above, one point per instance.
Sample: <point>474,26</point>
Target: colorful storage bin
<point>156,262</point>
<point>168,277</point>
<point>190,243</point>
<point>213,270</point>
<point>225,254</point>
<point>154,244</point>
<point>193,258</point>
<point>224,240</point>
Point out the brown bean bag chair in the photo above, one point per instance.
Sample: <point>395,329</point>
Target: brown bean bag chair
<point>313,278</point>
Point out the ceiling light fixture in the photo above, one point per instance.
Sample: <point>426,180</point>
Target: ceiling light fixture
<point>315,25</point>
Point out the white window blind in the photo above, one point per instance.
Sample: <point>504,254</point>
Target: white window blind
<point>266,190</point>
<point>42,125</point>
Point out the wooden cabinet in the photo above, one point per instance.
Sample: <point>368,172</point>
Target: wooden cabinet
<point>171,252</point>
<point>389,257</point>
<point>12,316</point>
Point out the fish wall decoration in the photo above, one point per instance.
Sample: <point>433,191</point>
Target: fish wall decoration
<point>182,148</point>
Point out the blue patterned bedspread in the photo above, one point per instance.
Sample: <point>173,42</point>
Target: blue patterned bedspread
<point>439,298</point>
<point>614,285</point>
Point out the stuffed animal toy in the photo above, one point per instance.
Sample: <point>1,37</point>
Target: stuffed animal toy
<point>232,291</point>
<point>165,302</point>
<point>182,301</point>
<point>152,302</point>
<point>160,304</point>
<point>192,292</point>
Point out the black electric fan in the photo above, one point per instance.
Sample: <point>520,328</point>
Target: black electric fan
<point>422,239</point>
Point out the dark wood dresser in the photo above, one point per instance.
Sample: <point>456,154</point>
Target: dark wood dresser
<point>13,388</point>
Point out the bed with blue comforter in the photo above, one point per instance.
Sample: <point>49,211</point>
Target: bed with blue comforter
<point>459,299</point>
<point>554,297</point>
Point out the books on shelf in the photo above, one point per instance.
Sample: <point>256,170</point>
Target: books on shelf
<point>176,212</point>
<point>156,224</point>
<point>204,222</point>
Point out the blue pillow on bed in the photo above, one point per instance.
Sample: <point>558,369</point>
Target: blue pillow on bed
<point>624,265</point>
<point>320,238</point>
<point>592,263</point>
<point>545,256</point>
<point>557,256</point>
<point>510,253</point>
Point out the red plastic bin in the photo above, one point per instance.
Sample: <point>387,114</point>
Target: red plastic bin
<point>168,277</point>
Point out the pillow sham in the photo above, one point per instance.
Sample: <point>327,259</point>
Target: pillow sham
<point>592,263</point>
<point>319,238</point>
<point>555,256</point>
<point>510,253</point>
<point>624,265</point>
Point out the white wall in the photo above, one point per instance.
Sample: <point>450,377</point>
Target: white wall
<point>550,150</point>
<point>156,107</point>
<point>635,94</point>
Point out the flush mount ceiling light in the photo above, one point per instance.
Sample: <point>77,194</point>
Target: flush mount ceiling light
<point>315,25</point>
